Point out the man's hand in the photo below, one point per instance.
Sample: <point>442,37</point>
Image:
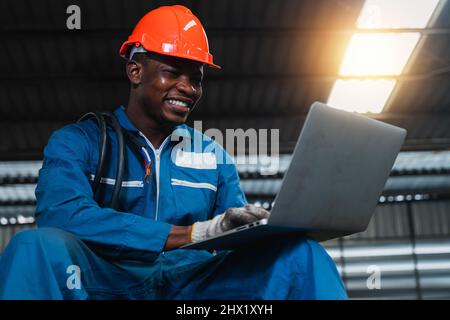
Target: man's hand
<point>231,218</point>
<point>235,217</point>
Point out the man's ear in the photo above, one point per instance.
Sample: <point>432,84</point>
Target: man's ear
<point>134,72</point>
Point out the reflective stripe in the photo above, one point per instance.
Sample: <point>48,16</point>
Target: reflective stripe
<point>200,185</point>
<point>137,184</point>
<point>196,160</point>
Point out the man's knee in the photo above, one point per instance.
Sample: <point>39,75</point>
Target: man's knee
<point>296,244</point>
<point>46,237</point>
<point>304,250</point>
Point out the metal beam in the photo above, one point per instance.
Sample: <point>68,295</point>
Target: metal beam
<point>120,77</point>
<point>252,31</point>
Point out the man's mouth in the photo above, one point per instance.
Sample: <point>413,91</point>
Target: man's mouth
<point>178,105</point>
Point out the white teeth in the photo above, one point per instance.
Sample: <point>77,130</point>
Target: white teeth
<point>178,103</point>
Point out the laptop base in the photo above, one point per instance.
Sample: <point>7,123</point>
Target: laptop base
<point>238,239</point>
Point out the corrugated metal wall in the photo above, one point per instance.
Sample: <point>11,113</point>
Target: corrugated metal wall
<point>411,255</point>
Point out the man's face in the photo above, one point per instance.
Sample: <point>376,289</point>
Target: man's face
<point>170,88</point>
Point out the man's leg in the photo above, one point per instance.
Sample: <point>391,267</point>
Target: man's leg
<point>48,263</point>
<point>287,269</point>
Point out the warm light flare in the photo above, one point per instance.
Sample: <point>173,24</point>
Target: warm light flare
<point>378,54</point>
<point>361,95</point>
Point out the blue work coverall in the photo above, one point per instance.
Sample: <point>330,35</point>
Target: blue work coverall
<point>84,250</point>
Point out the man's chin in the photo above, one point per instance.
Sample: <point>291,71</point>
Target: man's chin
<point>177,119</point>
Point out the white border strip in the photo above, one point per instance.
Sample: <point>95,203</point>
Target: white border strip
<point>200,185</point>
<point>136,184</point>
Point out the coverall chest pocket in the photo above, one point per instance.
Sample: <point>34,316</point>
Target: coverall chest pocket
<point>194,192</point>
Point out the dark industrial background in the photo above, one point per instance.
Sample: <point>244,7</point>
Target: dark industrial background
<point>277,58</point>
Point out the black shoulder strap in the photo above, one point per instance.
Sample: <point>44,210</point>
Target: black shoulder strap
<point>102,147</point>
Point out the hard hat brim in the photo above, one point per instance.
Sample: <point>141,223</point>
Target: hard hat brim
<point>124,48</point>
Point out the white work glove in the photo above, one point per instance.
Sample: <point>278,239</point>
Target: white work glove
<point>231,218</point>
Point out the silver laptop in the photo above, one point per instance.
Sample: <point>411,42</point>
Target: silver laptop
<point>338,170</point>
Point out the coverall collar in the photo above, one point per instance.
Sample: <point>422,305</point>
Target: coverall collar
<point>181,129</point>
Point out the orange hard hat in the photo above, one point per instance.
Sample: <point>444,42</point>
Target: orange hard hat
<point>172,31</point>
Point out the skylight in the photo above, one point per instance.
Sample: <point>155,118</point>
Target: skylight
<point>379,54</point>
<point>361,95</point>
<point>396,14</point>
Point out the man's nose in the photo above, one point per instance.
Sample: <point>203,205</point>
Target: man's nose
<point>185,86</point>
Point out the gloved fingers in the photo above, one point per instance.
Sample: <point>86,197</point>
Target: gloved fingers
<point>235,217</point>
<point>239,217</point>
<point>258,212</point>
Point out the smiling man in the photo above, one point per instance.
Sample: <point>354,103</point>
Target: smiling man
<point>164,90</point>
<point>83,249</point>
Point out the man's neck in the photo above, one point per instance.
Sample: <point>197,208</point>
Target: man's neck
<point>155,136</point>
<point>155,132</point>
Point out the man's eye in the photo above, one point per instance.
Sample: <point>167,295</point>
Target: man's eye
<point>173,72</point>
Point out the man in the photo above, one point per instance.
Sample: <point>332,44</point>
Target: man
<point>85,250</point>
